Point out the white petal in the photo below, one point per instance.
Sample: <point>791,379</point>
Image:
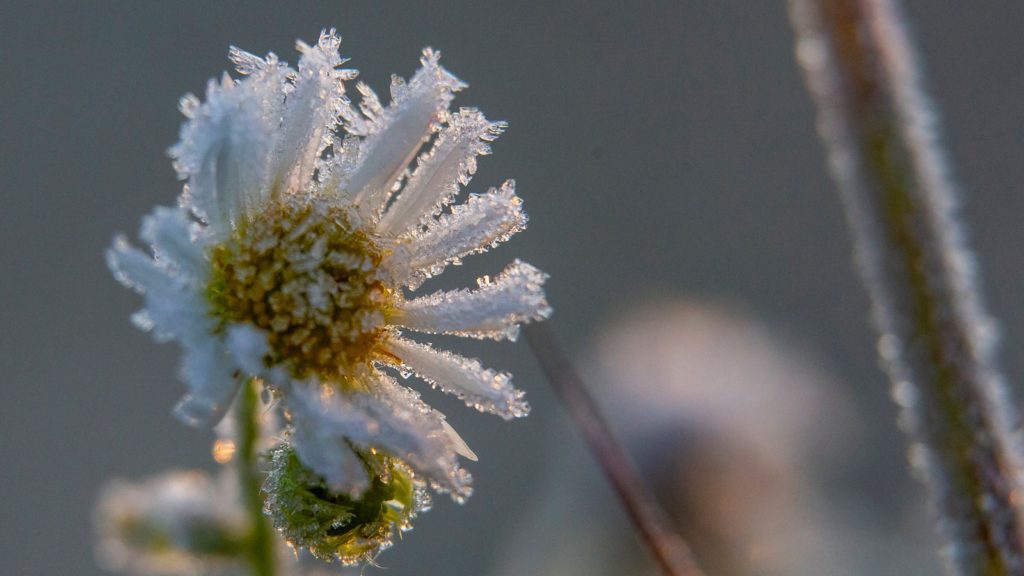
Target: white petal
<point>211,378</point>
<point>224,147</point>
<point>176,314</point>
<point>494,310</point>
<point>135,269</point>
<point>441,444</point>
<point>458,443</point>
<point>398,135</point>
<point>312,108</point>
<point>439,173</point>
<point>248,346</point>
<point>327,453</point>
<point>392,419</point>
<point>479,224</point>
<point>176,310</point>
<point>169,232</point>
<point>480,388</point>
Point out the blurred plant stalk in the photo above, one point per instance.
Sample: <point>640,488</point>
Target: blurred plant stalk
<point>936,340</point>
<point>650,520</point>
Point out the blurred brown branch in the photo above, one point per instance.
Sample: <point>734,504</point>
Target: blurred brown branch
<point>650,520</point>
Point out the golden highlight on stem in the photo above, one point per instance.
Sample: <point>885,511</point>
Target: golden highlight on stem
<point>935,337</point>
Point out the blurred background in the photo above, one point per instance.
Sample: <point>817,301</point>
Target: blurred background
<point>667,157</point>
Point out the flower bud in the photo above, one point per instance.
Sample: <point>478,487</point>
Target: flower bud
<point>340,526</point>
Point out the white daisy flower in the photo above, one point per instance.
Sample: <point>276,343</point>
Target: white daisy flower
<point>293,248</point>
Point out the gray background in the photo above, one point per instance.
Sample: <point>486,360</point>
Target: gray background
<point>661,147</point>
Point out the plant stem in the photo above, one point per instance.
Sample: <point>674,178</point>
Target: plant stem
<point>261,544</point>
<point>670,550</point>
<point>936,339</point>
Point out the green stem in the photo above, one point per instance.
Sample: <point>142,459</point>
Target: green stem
<point>260,553</point>
<point>886,154</point>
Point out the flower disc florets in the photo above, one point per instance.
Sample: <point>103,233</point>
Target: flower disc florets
<point>311,283</point>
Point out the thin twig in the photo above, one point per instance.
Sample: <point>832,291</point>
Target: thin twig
<point>669,548</point>
<point>936,339</point>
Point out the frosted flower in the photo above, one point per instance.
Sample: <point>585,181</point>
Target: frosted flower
<point>176,523</point>
<point>293,250</point>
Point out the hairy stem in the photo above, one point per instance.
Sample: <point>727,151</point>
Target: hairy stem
<point>936,339</point>
<point>261,543</point>
<point>670,550</point>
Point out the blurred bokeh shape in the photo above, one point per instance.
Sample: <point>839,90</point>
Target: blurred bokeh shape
<point>180,522</point>
<point>733,427</point>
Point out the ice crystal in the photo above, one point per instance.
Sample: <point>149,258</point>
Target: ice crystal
<point>303,222</point>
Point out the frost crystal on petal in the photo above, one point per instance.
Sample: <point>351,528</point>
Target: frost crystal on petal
<point>224,150</point>
<point>494,310</point>
<point>479,224</point>
<point>312,109</point>
<point>481,388</point>
<point>394,139</point>
<point>393,420</point>
<point>169,232</point>
<point>439,173</point>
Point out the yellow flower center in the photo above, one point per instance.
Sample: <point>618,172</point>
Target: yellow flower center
<point>300,273</point>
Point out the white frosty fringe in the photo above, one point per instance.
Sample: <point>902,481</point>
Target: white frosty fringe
<point>248,346</point>
<point>362,122</point>
<point>408,399</point>
<point>392,419</point>
<point>326,452</point>
<point>223,151</point>
<point>494,310</point>
<point>394,138</point>
<point>475,226</point>
<point>174,310</point>
<point>136,270</point>
<point>212,381</point>
<point>480,388</point>
<point>168,231</point>
<point>450,163</point>
<point>312,109</point>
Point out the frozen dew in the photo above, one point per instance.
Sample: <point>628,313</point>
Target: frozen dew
<point>480,388</point>
<point>494,310</point>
